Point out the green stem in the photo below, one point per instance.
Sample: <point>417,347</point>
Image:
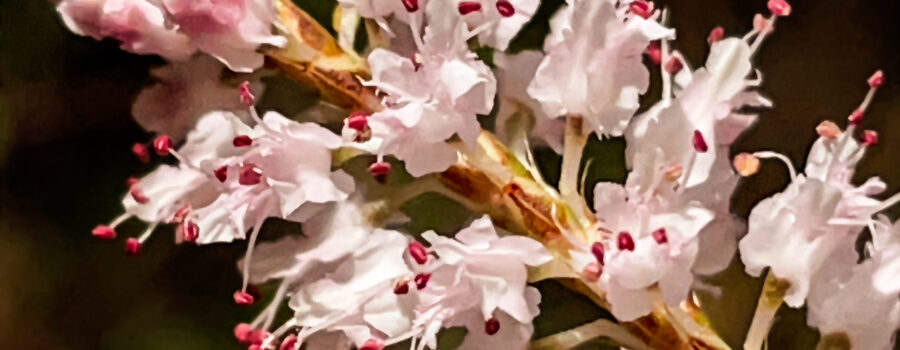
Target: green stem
<point>770,300</point>
<point>575,140</point>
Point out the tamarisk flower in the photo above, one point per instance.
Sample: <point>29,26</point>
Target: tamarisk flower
<point>496,21</point>
<point>514,73</point>
<point>587,38</point>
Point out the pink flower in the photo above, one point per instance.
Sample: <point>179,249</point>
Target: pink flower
<point>518,111</point>
<point>497,21</point>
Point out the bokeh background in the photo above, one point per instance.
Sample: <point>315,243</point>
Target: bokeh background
<point>66,130</point>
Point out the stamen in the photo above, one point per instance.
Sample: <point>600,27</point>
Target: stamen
<point>782,158</point>
<point>104,232</point>
<point>242,141</point>
<point>250,175</point>
<point>221,173</point>
<point>598,251</point>
<point>660,236</point>
<point>138,195</point>
<point>380,171</point>
<point>700,142</point>
<point>411,5</point>
<point>247,98</point>
<point>243,298</point>
<point>243,332</point>
<point>422,280</point>
<point>876,80</point>
<point>248,258</point>
<point>190,231</point>
<point>418,252</point>
<point>505,8</point>
<point>870,138</point>
<point>402,287</point>
<point>746,164</point>
<point>654,52</point>
<point>141,151</point>
<point>779,8</point>
<point>373,344</point>
<point>625,241</point>
<point>467,7</point>
<point>592,272</point>
<point>715,35</point>
<point>289,342</point>
<point>492,326</point>
<point>132,246</point>
<point>162,144</point>
<point>828,130</point>
<point>642,8</point>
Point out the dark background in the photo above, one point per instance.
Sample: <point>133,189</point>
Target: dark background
<point>65,133</point>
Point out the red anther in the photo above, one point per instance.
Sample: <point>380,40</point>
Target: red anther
<point>358,121</point>
<point>870,138</point>
<point>467,7</point>
<point>700,142</point>
<point>181,214</point>
<point>402,287</point>
<point>243,298</point>
<point>625,241</point>
<point>674,65</point>
<point>131,181</point>
<point>161,145</point>
<point>132,247</point>
<point>779,8</point>
<point>592,272</point>
<point>380,171</point>
<point>249,175</point>
<point>505,8</point>
<point>411,5</point>
<point>418,252</point>
<point>190,231</point>
<point>242,141</point>
<point>257,336</point>
<point>372,344</point>
<point>243,332</point>
<point>654,52</point>
<point>247,97</point>
<point>660,236</point>
<point>598,251</point>
<point>642,8</point>
<point>491,326</point>
<point>876,80</point>
<point>138,194</point>
<point>856,117</point>
<point>141,151</point>
<point>715,35</point>
<point>422,280</point>
<point>221,173</point>
<point>289,342</point>
<point>254,347</point>
<point>104,232</point>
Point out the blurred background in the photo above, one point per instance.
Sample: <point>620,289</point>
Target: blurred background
<point>66,132</point>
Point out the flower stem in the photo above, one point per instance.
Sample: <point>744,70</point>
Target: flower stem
<point>575,140</point>
<point>577,336</point>
<point>770,300</point>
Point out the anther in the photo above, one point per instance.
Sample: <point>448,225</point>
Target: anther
<point>402,287</point>
<point>372,344</point>
<point>137,194</point>
<point>876,80</point>
<point>700,142</point>
<point>190,231</point>
<point>467,7</point>
<point>828,130</point>
<point>418,252</point>
<point>104,232</point>
<point>715,35</point>
<point>491,326</point>
<point>221,173</point>
<point>870,138</point>
<point>247,98</point>
<point>132,247</point>
<point>141,151</point>
<point>625,241</point>
<point>162,144</point>
<point>598,251</point>
<point>243,298</point>
<point>380,171</point>
<point>242,141</point>
<point>746,164</point>
<point>242,333</point>
<point>642,8</point>
<point>422,280</point>
<point>411,5</point>
<point>654,52</point>
<point>505,8</point>
<point>660,236</point>
<point>674,65</point>
<point>779,8</point>
<point>249,175</point>
<point>856,117</point>
<point>289,342</point>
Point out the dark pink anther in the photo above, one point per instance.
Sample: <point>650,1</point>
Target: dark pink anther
<point>380,171</point>
<point>642,8</point>
<point>289,342</point>
<point>104,232</point>
<point>674,65</point>
<point>243,298</point>
<point>876,80</point>
<point>779,8</point>
<point>249,175</point>
<point>715,35</point>
<point>242,333</point>
<point>161,145</point>
<point>654,52</point>
<point>141,151</point>
<point>358,121</point>
<point>255,347</point>
<point>138,194</point>
<point>856,117</point>
<point>132,247</point>
<point>625,241</point>
<point>242,141</point>
<point>402,287</point>
<point>221,173</point>
<point>870,138</point>
<point>598,251</point>
<point>418,252</point>
<point>190,231</point>
<point>505,8</point>
<point>467,7</point>
<point>660,236</point>
<point>491,326</point>
<point>422,280</point>
<point>247,98</point>
<point>372,344</point>
<point>700,142</point>
<point>411,5</point>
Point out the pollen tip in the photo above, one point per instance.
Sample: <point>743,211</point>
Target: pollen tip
<point>598,251</point>
<point>104,232</point>
<point>243,298</point>
<point>856,117</point>
<point>625,241</point>
<point>141,151</point>
<point>418,252</point>
<point>402,287</point>
<point>592,271</point>
<point>660,236</point>
<point>289,342</point>
<point>221,173</point>
<point>699,142</point>
<point>249,175</point>
<point>674,65</point>
<point>138,194</point>
<point>876,80</point>
<point>411,5</point>
<point>870,138</point>
<point>780,8</point>
<point>372,344</point>
<point>190,231</point>
<point>641,8</point>
<point>505,8</point>
<point>380,171</point>
<point>242,332</point>
<point>422,280</point>
<point>132,247</point>
<point>467,7</point>
<point>746,164</point>
<point>673,172</point>
<point>715,35</point>
<point>654,52</point>
<point>491,326</point>
<point>162,144</point>
<point>242,141</point>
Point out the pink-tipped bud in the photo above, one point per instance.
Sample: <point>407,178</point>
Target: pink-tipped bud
<point>242,141</point>
<point>289,342</point>
<point>715,35</point>
<point>411,5</point>
<point>141,151</point>
<point>221,173</point>
<point>247,98</point>
<point>505,8</point>
<point>249,175</point>
<point>641,8</point>
<point>700,142</point>
<point>762,24</point>
<point>876,80</point>
<point>746,164</point>
<point>828,130</point>
<point>104,232</point>
<point>674,65</point>
<point>418,252</point>
<point>380,171</point>
<point>138,194</point>
<point>243,298</point>
<point>660,236</point>
<point>625,241</point>
<point>190,231</point>
<point>870,138</point>
<point>491,326</point>
<point>654,52</point>
<point>242,333</point>
<point>467,7</point>
<point>162,144</point>
<point>856,117</point>
<point>598,251</point>
<point>592,272</point>
<point>422,280</point>
<point>402,287</point>
<point>132,247</point>
<point>372,344</point>
<point>779,8</point>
